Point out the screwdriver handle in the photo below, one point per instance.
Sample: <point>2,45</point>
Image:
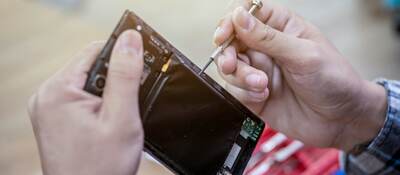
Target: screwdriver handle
<point>223,46</point>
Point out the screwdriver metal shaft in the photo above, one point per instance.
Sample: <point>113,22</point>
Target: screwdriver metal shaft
<point>256,4</point>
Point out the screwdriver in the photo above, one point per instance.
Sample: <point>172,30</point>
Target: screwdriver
<point>255,5</point>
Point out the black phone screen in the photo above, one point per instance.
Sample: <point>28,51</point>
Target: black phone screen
<point>192,124</point>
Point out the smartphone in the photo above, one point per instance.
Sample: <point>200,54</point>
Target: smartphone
<point>191,124</point>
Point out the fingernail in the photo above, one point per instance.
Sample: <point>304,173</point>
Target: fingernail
<point>255,82</point>
<point>127,44</point>
<point>218,32</point>
<point>244,19</point>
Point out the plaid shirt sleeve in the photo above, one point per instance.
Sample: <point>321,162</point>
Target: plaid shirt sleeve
<point>382,156</point>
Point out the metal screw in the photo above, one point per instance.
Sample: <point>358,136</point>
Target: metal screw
<point>255,4</point>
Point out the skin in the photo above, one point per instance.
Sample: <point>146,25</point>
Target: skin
<point>78,133</point>
<point>287,72</point>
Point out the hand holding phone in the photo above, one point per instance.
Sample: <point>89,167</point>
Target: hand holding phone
<point>78,133</point>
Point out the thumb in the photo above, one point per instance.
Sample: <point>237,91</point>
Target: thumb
<point>256,35</point>
<point>123,78</point>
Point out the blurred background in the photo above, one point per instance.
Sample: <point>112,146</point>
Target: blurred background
<point>37,37</point>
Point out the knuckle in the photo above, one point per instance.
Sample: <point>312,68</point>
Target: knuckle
<point>286,17</point>
<point>315,52</point>
<point>50,95</point>
<point>282,15</point>
<point>51,92</point>
<point>43,101</point>
<point>268,35</point>
<point>38,104</point>
<point>314,57</point>
<point>43,95</point>
<point>309,61</point>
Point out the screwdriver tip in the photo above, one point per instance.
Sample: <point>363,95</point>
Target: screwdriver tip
<point>206,66</point>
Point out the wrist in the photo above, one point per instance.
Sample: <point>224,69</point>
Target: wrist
<point>372,105</point>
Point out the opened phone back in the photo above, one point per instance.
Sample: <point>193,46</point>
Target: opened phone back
<point>191,124</point>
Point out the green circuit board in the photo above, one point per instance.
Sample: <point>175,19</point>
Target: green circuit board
<point>251,129</point>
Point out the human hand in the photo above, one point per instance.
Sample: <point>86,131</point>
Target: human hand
<point>78,133</point>
<point>287,72</point>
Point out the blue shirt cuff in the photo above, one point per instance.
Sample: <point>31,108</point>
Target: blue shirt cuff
<point>387,143</point>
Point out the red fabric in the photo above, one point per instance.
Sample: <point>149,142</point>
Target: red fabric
<point>305,161</point>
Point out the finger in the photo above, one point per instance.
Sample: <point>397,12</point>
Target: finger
<point>74,74</point>
<point>275,16</point>
<point>272,14</point>
<point>225,27</point>
<point>247,77</point>
<point>123,78</point>
<point>224,30</point>
<point>264,13</point>
<point>260,61</point>
<point>83,61</point>
<point>227,61</point>
<point>247,97</point>
<point>258,36</point>
<point>286,21</point>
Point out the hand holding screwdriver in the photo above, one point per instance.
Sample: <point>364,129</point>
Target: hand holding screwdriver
<point>256,4</point>
<point>294,78</point>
